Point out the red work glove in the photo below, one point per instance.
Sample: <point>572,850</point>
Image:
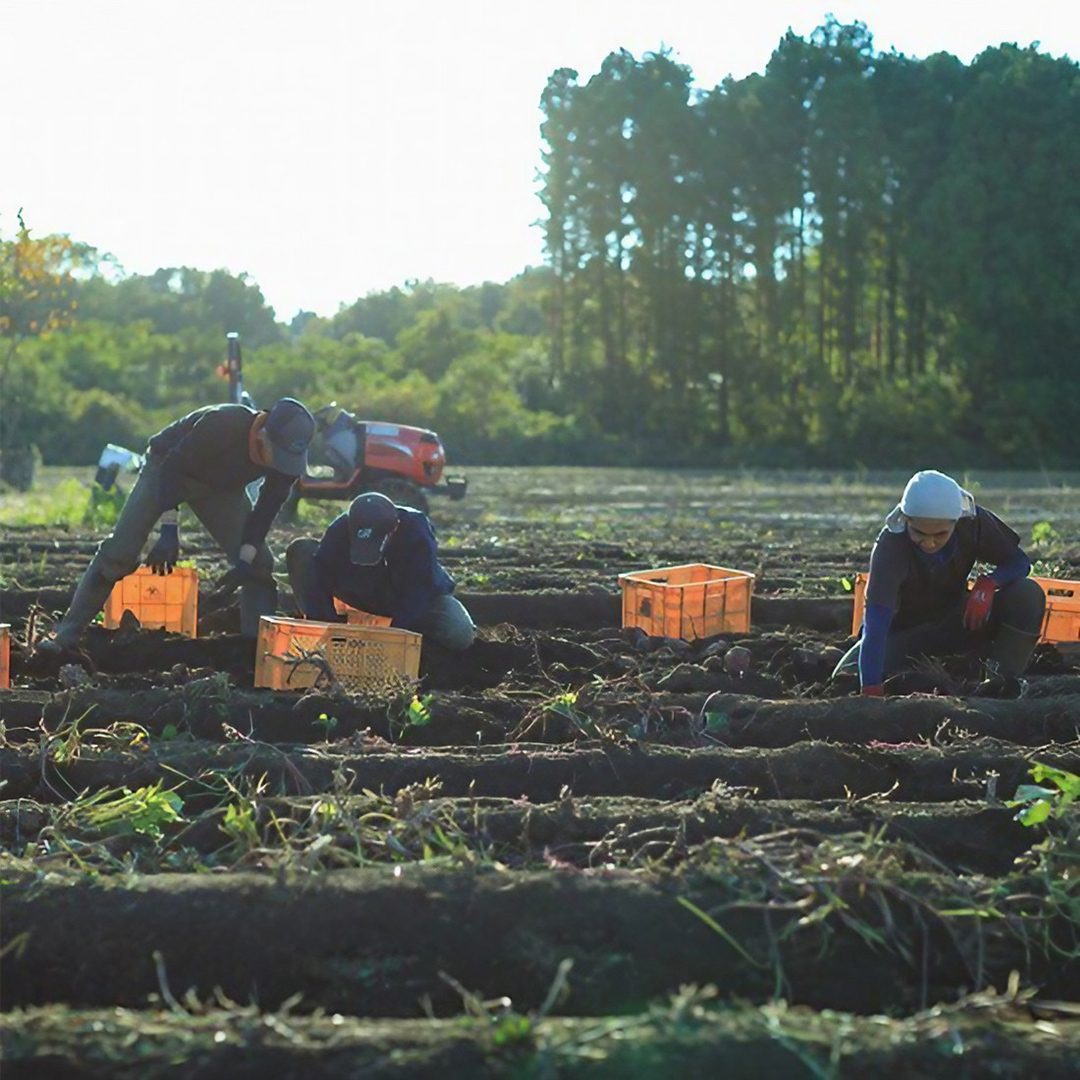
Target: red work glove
<point>872,691</point>
<point>977,610</point>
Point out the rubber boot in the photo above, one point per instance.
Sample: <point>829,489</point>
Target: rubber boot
<point>1011,650</point>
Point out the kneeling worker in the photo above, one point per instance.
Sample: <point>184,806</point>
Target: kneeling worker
<point>382,559</point>
<point>206,460</point>
<point>917,599</point>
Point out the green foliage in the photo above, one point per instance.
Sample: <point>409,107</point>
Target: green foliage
<point>1038,803</point>
<point>419,711</point>
<point>848,258</point>
<point>326,724</point>
<point>145,811</point>
<point>1044,534</point>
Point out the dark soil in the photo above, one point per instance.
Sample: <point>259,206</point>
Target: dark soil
<point>564,783</point>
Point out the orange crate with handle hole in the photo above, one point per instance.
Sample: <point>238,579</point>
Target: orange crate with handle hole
<point>159,602</point>
<point>360,657</point>
<point>1061,623</point>
<point>689,602</point>
<point>356,617</point>
<point>5,656</point>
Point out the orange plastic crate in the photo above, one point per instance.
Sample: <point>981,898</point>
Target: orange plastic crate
<point>859,596</point>
<point>5,656</point>
<point>1061,623</point>
<point>1062,620</point>
<point>360,657</point>
<point>168,602</point>
<point>356,617</point>
<point>688,602</point>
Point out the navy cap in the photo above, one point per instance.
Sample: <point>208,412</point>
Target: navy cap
<point>372,520</point>
<point>290,428</point>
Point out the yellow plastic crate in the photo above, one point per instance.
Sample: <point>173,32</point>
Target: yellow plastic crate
<point>1061,623</point>
<point>356,617</point>
<point>360,657</point>
<point>159,602</point>
<point>688,602</point>
<point>5,656</point>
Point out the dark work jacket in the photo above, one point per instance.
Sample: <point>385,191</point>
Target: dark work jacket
<point>922,588</point>
<point>402,586</point>
<point>210,446</point>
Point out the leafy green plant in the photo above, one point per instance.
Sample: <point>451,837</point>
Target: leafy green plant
<point>326,722</point>
<point>1038,803</point>
<point>565,705</point>
<point>116,812</point>
<point>1043,533</point>
<point>419,711</point>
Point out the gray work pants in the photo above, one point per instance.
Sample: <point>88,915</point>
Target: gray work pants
<point>1008,638</point>
<point>223,513</point>
<point>447,621</point>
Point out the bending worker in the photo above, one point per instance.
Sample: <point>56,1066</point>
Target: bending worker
<point>382,559</point>
<point>917,599</point>
<point>206,460</point>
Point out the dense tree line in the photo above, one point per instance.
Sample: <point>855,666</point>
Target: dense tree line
<point>848,253</point>
<point>851,257</point>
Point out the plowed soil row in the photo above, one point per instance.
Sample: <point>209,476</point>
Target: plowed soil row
<point>372,942</point>
<point>805,771</point>
<point>605,831</point>
<point>987,1037</point>
<point>203,710</point>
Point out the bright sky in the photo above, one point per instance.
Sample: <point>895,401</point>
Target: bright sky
<point>330,148</point>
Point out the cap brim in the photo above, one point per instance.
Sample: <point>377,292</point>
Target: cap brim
<point>365,552</point>
<point>289,464</point>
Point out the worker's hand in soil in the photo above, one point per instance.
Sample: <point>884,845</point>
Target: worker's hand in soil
<point>163,556</point>
<point>872,691</point>
<point>977,609</point>
<point>234,578</point>
<point>241,573</point>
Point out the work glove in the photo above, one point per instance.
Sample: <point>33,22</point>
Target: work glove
<point>241,571</point>
<point>872,691</point>
<point>163,556</point>
<point>981,597</point>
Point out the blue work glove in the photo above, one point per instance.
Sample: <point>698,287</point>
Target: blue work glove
<point>163,556</point>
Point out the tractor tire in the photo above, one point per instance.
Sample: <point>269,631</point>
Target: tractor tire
<point>404,493</point>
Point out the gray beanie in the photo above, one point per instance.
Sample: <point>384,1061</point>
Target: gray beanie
<point>931,494</point>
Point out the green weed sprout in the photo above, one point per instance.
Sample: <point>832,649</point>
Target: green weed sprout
<point>143,811</point>
<point>419,711</point>
<point>1038,803</point>
<point>326,722</point>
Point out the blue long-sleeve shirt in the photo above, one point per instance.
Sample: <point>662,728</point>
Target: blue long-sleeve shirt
<point>402,586</point>
<point>878,618</point>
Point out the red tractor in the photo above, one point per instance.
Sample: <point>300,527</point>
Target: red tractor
<point>349,456</point>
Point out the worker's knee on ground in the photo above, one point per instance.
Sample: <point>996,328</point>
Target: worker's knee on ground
<point>299,553</point>
<point>457,635</point>
<point>449,624</point>
<point>1021,605</point>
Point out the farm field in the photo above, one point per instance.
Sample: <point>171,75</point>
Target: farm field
<point>573,850</point>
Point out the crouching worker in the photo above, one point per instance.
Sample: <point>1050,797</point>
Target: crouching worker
<point>382,559</point>
<point>917,599</point>
<point>206,460</point>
